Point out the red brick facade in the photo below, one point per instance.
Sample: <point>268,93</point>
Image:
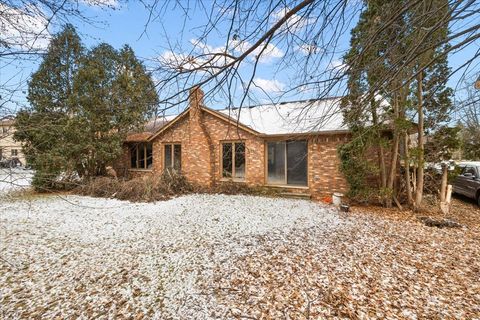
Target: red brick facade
<point>201,132</point>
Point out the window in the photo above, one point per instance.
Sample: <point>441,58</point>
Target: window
<point>172,157</point>
<point>141,156</point>
<point>233,160</point>
<point>14,152</point>
<point>469,171</point>
<point>287,162</point>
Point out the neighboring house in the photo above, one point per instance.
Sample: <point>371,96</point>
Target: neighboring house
<point>9,148</point>
<point>292,146</point>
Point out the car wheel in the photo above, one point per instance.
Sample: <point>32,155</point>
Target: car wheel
<point>478,199</point>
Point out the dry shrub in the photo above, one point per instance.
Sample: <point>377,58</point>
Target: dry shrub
<point>155,188</point>
<point>175,183</point>
<point>231,188</point>
<point>104,187</point>
<point>143,189</point>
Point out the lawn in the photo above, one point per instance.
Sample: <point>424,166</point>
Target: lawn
<point>219,256</point>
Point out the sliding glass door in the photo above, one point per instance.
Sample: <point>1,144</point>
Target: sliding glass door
<point>287,163</point>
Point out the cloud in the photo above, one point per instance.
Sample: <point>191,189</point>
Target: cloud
<point>102,3</point>
<point>295,23</point>
<point>210,55</point>
<point>265,54</point>
<point>180,61</point>
<point>269,86</point>
<point>336,65</point>
<point>24,27</point>
<point>219,55</point>
<point>204,57</point>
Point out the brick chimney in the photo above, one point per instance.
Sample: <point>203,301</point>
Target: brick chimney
<point>195,101</point>
<point>200,156</point>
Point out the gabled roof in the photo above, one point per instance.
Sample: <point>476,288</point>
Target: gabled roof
<point>150,128</point>
<point>296,117</point>
<point>215,113</point>
<point>307,116</point>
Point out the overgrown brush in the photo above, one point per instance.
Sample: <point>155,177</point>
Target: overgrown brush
<point>156,188</point>
<point>231,188</point>
<point>142,189</point>
<point>104,187</point>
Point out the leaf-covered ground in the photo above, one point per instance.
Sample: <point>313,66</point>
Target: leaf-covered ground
<point>228,257</point>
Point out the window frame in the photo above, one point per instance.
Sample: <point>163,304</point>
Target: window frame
<point>233,143</point>
<point>470,167</point>
<point>285,180</point>
<point>172,155</point>
<point>137,156</point>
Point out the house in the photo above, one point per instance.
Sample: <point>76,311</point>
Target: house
<point>291,146</point>
<point>10,150</point>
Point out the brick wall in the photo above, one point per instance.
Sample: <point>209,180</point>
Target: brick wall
<point>324,166</point>
<point>201,134</point>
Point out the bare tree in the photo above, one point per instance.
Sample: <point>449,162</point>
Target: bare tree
<point>25,32</point>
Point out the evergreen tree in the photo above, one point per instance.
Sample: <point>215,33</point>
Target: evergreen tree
<point>82,106</point>
<point>366,115</point>
<point>44,128</point>
<point>115,94</point>
<point>383,40</point>
<point>431,98</point>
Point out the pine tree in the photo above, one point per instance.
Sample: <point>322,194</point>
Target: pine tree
<point>82,106</point>
<point>366,117</point>
<point>115,95</point>
<point>432,99</point>
<point>44,127</point>
<point>380,63</point>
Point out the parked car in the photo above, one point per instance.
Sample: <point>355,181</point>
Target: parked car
<point>10,163</point>
<point>467,182</point>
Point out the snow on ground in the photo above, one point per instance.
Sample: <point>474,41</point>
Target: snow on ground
<point>86,256</point>
<point>14,179</point>
<point>224,257</point>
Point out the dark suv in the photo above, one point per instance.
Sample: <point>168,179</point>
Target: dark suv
<point>468,182</point>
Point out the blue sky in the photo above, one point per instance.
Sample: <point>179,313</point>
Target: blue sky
<point>126,25</point>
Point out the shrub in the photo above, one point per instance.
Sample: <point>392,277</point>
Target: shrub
<point>100,187</point>
<point>142,189</point>
<point>156,188</point>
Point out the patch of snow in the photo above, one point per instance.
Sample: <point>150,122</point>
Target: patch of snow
<point>14,179</point>
<point>84,257</point>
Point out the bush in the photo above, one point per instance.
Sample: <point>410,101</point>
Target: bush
<point>143,189</point>
<point>230,187</point>
<point>156,188</point>
<point>105,187</point>
<point>44,181</point>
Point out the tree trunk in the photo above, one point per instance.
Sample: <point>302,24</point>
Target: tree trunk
<point>394,159</point>
<point>393,170</point>
<point>408,182</point>
<point>380,151</point>
<point>420,171</point>
<point>443,187</point>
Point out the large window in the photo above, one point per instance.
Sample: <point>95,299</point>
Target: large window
<point>287,162</point>
<point>141,156</point>
<point>172,159</point>
<point>233,160</point>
